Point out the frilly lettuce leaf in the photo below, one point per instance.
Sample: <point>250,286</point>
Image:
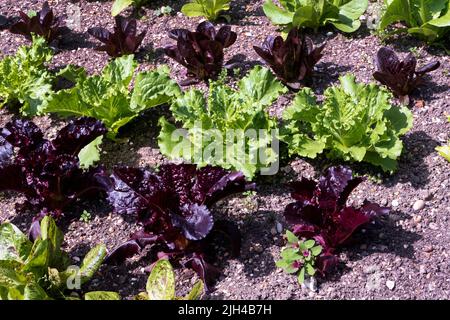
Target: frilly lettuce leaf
<point>356,122</point>
<point>24,78</point>
<point>224,109</point>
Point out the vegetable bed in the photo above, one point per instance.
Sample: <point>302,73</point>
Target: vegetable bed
<point>389,240</point>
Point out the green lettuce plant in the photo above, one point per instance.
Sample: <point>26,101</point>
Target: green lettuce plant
<point>40,270</point>
<point>24,78</point>
<point>427,20</point>
<point>342,14</point>
<point>356,122</point>
<point>107,96</point>
<point>210,9</point>
<point>218,128</point>
<point>161,285</point>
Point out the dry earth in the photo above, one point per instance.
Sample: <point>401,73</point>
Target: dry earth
<point>408,248</point>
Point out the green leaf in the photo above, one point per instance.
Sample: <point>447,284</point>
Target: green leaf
<point>317,250</point>
<point>14,245</point>
<point>291,237</point>
<point>309,244</point>
<point>50,232</point>
<point>120,70</point>
<point>10,276</point>
<point>310,269</point>
<point>441,22</point>
<point>120,5</point>
<point>24,78</point>
<point>102,295</point>
<point>90,154</point>
<point>107,97</point>
<point>193,10</point>
<point>444,151</point>
<point>397,10</point>
<point>92,262</point>
<point>239,112</point>
<point>72,73</point>
<point>286,266</point>
<point>276,14</point>
<point>33,291</point>
<point>301,275</point>
<point>211,9</point>
<point>153,89</point>
<point>306,17</point>
<point>355,123</point>
<point>196,292</point>
<point>40,258</point>
<point>290,254</point>
<point>161,282</point>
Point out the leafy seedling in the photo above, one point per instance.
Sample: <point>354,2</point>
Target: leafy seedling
<point>299,256</point>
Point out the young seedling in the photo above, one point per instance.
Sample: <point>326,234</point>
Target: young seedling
<point>299,255</point>
<point>164,11</point>
<point>85,216</point>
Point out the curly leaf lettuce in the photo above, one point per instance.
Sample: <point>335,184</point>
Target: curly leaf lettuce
<point>107,97</point>
<point>229,129</point>
<point>356,122</point>
<point>24,79</point>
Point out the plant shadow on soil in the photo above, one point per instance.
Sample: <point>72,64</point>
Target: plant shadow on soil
<point>383,237</point>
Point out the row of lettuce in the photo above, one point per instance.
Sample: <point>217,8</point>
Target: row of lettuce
<point>427,20</point>
<point>354,122</point>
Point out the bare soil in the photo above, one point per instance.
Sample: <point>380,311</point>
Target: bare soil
<point>409,248</point>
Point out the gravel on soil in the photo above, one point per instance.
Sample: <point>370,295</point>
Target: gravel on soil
<point>402,256</point>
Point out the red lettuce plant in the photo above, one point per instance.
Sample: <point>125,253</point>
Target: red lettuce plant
<point>320,212</point>
<point>401,77</point>
<point>124,40</point>
<point>201,52</point>
<point>43,24</point>
<point>292,60</point>
<point>174,208</point>
<point>47,172</point>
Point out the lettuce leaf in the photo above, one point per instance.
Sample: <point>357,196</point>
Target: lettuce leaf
<point>24,79</point>
<point>107,97</point>
<point>343,15</point>
<point>356,122</point>
<point>225,109</point>
<point>424,19</point>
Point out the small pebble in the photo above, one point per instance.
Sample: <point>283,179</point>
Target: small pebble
<point>433,226</point>
<point>418,205</point>
<point>279,227</point>
<point>394,203</point>
<point>390,284</point>
<point>258,248</point>
<point>329,34</point>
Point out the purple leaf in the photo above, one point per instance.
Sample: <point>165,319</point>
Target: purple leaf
<point>320,212</point>
<point>201,52</point>
<point>43,24</point>
<point>124,40</point>
<point>47,172</point>
<point>401,77</point>
<point>292,60</point>
<point>174,207</point>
